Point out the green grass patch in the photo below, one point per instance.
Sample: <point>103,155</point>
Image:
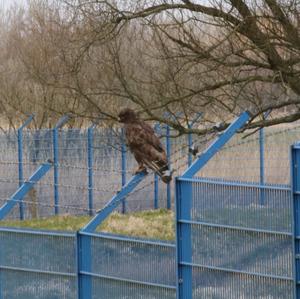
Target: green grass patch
<point>152,224</point>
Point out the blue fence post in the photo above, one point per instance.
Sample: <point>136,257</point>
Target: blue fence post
<point>184,192</point>
<point>262,164</point>
<point>20,158</point>
<point>262,159</point>
<point>84,241</point>
<point>168,146</point>
<point>183,239</point>
<point>155,203</point>
<point>90,145</point>
<point>295,182</point>
<point>61,122</point>
<point>123,162</point>
<point>190,143</point>
<point>84,256</point>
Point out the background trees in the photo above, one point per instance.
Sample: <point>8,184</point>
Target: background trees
<point>218,57</point>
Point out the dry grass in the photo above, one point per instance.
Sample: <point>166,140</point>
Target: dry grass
<point>158,224</point>
<point>153,224</point>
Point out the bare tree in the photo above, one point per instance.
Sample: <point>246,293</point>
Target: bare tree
<point>179,57</point>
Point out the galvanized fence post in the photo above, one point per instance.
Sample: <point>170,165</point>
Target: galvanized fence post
<point>295,182</point>
<point>90,145</point>
<point>168,146</point>
<point>123,162</point>
<point>61,122</point>
<point>20,159</point>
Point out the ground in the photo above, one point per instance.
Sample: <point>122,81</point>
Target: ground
<point>152,224</point>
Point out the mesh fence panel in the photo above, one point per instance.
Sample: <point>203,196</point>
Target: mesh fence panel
<point>128,268</point>
<point>37,265</point>
<point>242,246</point>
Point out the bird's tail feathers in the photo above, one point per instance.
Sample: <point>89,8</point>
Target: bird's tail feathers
<point>164,172</point>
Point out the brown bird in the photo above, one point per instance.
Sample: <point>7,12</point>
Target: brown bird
<point>145,145</point>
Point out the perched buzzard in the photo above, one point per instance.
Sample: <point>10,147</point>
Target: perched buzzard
<point>145,145</point>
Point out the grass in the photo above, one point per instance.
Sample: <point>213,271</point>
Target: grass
<point>152,224</point>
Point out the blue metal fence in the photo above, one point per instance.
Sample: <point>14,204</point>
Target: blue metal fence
<point>234,239</point>
<point>35,264</point>
<point>238,248</point>
<point>91,165</point>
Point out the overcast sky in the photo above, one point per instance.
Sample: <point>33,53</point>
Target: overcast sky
<point>4,4</point>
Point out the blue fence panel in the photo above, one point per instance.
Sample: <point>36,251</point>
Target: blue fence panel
<point>132,268</point>
<point>240,248</point>
<point>36,264</point>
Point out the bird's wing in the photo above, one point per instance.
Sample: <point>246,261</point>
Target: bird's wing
<point>150,137</point>
<point>140,135</point>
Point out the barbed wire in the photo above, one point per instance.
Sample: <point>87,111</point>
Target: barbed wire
<point>49,184</point>
<point>196,142</point>
<point>62,165</point>
<point>47,205</point>
<point>76,207</point>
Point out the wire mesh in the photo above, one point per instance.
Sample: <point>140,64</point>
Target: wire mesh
<point>35,264</point>
<point>240,158</point>
<point>241,239</point>
<point>107,288</point>
<point>119,257</point>
<point>211,284</point>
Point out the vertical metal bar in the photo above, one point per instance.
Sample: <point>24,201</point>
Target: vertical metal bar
<point>20,155</point>
<point>123,162</point>
<point>55,159</point>
<point>20,159</point>
<point>295,182</point>
<point>183,239</point>
<point>155,203</point>
<point>190,143</point>
<point>168,145</point>
<point>90,169</point>
<point>262,164</point>
<point>155,191</point>
<point>84,265</point>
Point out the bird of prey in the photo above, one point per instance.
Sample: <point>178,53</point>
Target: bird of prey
<point>145,145</point>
